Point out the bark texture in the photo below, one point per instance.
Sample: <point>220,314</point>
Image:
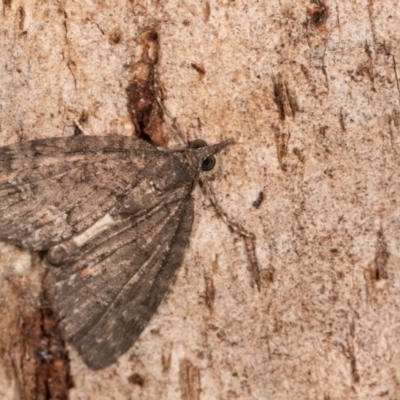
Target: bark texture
<point>310,92</point>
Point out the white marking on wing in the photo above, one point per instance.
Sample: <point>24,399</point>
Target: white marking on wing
<point>99,226</point>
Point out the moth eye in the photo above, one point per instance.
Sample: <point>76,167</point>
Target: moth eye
<point>208,163</point>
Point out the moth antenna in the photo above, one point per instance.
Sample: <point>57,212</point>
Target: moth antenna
<point>82,129</point>
<point>248,237</point>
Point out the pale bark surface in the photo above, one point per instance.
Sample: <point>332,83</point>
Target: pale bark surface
<point>310,92</point>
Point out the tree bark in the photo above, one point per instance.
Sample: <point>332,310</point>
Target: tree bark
<point>310,92</point>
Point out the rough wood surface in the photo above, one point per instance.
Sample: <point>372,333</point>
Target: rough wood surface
<point>310,92</point>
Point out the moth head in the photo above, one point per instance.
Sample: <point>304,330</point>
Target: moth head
<point>204,153</point>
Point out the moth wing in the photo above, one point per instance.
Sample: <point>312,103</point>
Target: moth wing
<point>52,189</point>
<point>106,297</point>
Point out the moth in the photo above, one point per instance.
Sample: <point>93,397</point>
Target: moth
<point>114,215</point>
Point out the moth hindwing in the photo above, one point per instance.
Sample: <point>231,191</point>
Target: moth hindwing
<point>114,214</point>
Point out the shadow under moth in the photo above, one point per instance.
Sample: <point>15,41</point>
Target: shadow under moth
<point>114,215</point>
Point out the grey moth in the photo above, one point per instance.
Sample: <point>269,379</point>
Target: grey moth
<point>114,215</point>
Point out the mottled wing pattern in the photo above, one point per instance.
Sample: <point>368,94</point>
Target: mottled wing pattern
<point>52,189</point>
<point>106,297</point>
<point>115,215</point>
